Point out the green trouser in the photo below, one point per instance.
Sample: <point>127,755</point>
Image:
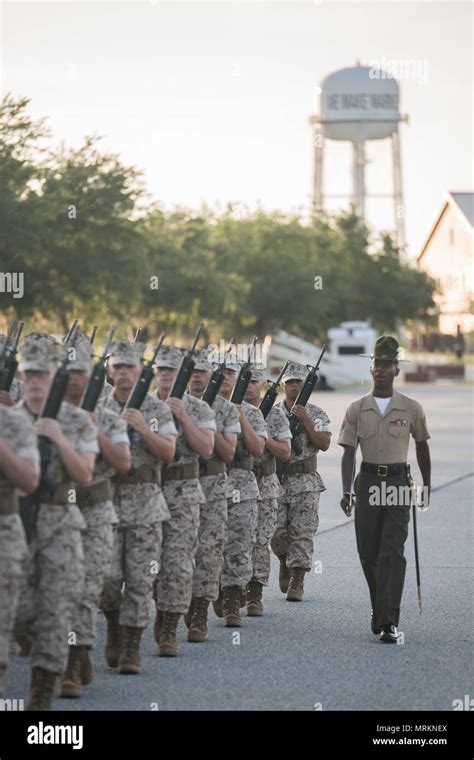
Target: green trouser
<point>381,532</point>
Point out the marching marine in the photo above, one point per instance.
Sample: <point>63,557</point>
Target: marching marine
<point>277,445</point>
<point>242,505</point>
<point>196,425</point>
<point>141,508</point>
<point>298,507</point>
<point>95,503</point>
<point>55,570</point>
<point>213,512</point>
<point>382,422</point>
<point>19,470</point>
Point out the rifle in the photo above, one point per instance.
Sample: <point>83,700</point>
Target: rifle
<point>97,378</point>
<point>271,394</point>
<point>52,406</point>
<point>245,375</point>
<point>92,338</point>
<point>185,369</point>
<point>10,364</point>
<point>217,378</point>
<point>301,400</point>
<point>140,389</point>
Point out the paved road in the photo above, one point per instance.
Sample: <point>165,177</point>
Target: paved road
<point>320,654</point>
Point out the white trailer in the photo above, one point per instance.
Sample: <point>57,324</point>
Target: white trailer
<point>341,364</point>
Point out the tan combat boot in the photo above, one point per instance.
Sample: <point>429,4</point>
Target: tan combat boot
<point>129,660</point>
<point>198,627</point>
<point>231,606</point>
<point>70,682</point>
<point>41,690</point>
<point>87,669</point>
<point>189,615</point>
<point>284,574</point>
<point>157,626</point>
<point>168,645</point>
<point>296,585</point>
<point>217,605</point>
<point>114,635</point>
<point>254,599</point>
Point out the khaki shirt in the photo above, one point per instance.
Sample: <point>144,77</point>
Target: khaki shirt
<point>383,439</point>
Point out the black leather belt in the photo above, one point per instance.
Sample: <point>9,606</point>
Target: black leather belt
<point>384,470</point>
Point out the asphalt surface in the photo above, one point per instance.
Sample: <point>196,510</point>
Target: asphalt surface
<point>320,654</point>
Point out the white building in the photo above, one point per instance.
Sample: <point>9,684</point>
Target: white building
<point>448,257</point>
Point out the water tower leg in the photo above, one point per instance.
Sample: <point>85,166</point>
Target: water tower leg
<point>358,177</point>
<point>318,170</point>
<point>398,190</point>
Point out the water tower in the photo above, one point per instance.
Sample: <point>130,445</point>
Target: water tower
<point>358,104</point>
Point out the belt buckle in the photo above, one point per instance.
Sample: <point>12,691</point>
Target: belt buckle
<point>381,467</point>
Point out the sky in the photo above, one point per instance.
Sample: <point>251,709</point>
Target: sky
<point>212,99</point>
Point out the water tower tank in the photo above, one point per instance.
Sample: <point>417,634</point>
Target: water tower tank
<point>359,104</point>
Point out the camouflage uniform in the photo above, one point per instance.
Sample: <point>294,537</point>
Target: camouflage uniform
<point>180,534</point>
<point>141,509</point>
<point>98,537</point>
<point>18,433</point>
<point>55,568</point>
<point>298,519</point>
<point>242,510</point>
<point>269,487</point>
<point>213,513</point>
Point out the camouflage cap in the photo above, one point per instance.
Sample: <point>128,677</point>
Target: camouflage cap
<point>386,349</point>
<point>169,356</point>
<point>295,371</point>
<point>201,360</point>
<point>81,354</point>
<point>257,372</point>
<point>126,352</point>
<point>39,352</point>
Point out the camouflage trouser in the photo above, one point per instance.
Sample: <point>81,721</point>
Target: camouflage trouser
<point>241,530</point>
<point>297,522</point>
<point>97,541</point>
<point>135,556</point>
<point>53,588</point>
<point>174,583</point>
<point>211,539</point>
<point>267,516</point>
<point>12,555</point>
